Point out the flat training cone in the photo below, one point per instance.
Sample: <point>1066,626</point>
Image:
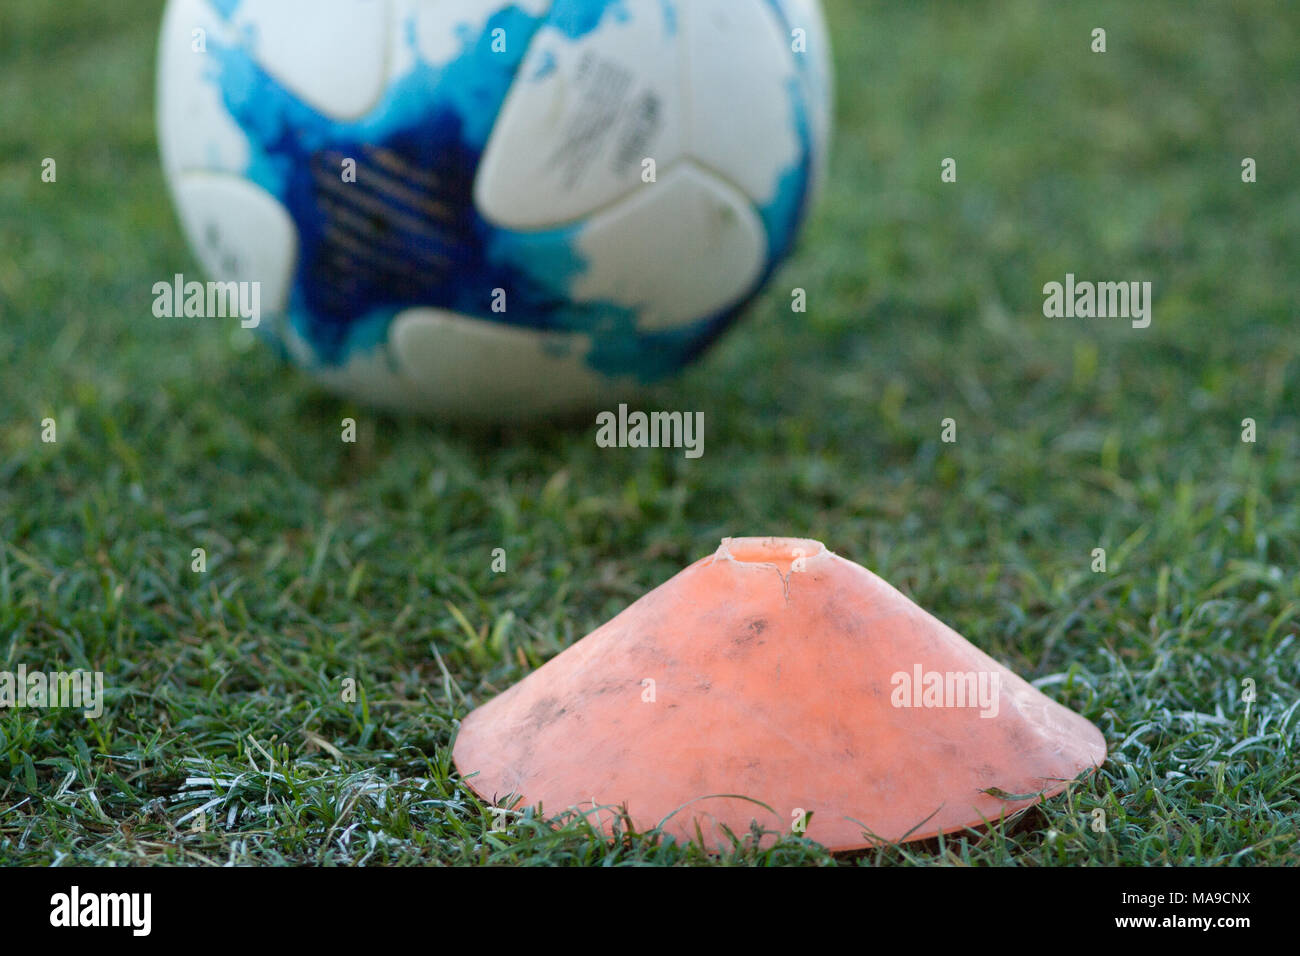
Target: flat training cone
<point>776,671</point>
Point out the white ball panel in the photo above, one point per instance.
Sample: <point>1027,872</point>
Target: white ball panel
<point>740,70</point>
<point>681,249</point>
<point>239,232</point>
<point>581,119</point>
<point>484,370</point>
<point>292,39</point>
<point>195,131</point>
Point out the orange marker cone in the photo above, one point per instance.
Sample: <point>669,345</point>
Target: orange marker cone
<point>777,671</point>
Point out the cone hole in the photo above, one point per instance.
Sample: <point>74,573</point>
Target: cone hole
<point>782,552</point>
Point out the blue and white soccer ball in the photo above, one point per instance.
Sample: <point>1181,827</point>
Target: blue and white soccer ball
<point>485,208</point>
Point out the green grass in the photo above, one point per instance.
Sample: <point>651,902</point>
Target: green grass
<point>372,560</point>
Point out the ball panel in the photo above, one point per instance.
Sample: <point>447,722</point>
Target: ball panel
<point>292,42</point>
<point>744,121</point>
<point>683,248</point>
<point>195,130</point>
<point>484,370</point>
<point>583,115</point>
<point>239,233</point>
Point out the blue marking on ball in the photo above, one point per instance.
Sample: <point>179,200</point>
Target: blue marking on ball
<point>435,122</point>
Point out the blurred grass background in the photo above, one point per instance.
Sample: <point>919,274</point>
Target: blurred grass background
<point>372,560</point>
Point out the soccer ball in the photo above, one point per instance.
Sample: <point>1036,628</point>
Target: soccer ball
<point>483,208</point>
